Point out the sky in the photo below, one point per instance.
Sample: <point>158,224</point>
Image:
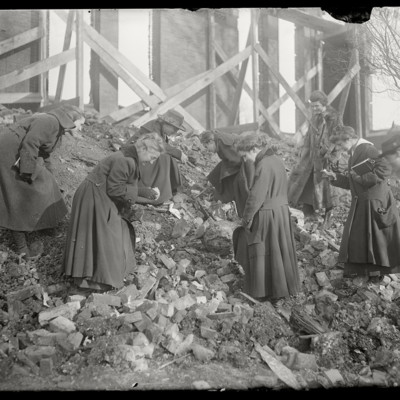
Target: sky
<point>134,44</point>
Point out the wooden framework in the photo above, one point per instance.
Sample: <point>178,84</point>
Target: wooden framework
<point>155,100</point>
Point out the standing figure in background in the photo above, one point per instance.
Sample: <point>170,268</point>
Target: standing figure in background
<point>164,173</point>
<point>306,186</point>
<point>391,152</point>
<point>265,245</point>
<point>371,236</point>
<point>30,199</point>
<point>100,245</point>
<point>232,176</point>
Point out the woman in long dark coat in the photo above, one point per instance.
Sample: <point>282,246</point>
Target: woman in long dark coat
<point>271,269</point>
<point>30,199</point>
<point>100,243</point>
<point>371,235</point>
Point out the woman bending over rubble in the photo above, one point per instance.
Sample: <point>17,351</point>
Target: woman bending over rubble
<point>265,245</point>
<point>100,245</point>
<point>371,235</point>
<point>30,199</point>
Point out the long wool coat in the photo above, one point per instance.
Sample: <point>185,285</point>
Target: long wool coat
<point>306,184</point>
<point>164,172</point>
<point>39,205</point>
<point>371,234</point>
<point>267,249</point>
<point>100,243</point>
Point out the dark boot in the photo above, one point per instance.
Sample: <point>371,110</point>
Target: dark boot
<point>309,213</point>
<point>20,241</point>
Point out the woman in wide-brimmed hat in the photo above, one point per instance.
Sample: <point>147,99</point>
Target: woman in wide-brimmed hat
<point>30,199</point>
<point>164,173</point>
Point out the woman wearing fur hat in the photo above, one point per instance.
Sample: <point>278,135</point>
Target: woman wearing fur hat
<point>30,199</point>
<point>164,173</point>
<point>371,235</point>
<point>306,186</point>
<point>100,243</point>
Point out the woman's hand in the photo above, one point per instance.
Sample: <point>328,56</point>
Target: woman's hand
<point>149,193</point>
<point>328,175</point>
<point>26,177</point>
<point>184,158</point>
<point>355,177</point>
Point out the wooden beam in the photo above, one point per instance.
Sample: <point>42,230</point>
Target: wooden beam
<point>44,77</point>
<point>73,101</point>
<point>320,61</point>
<point>357,85</point>
<point>296,87</point>
<point>343,82</point>
<point>281,80</point>
<point>195,87</point>
<point>253,126</point>
<point>267,116</point>
<point>254,65</point>
<point>14,97</point>
<point>22,39</point>
<point>241,81</point>
<point>67,43</point>
<point>311,21</point>
<point>36,68</point>
<point>79,57</point>
<point>121,62</point>
<point>223,106</point>
<point>345,93</point>
<point>211,65</point>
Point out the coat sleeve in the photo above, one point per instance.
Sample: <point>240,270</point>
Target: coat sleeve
<point>341,181</point>
<point>257,194</point>
<point>41,133</point>
<point>120,182</point>
<point>382,170</point>
<point>173,151</point>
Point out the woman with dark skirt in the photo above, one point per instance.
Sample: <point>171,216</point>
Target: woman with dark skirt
<point>265,247</point>
<point>30,199</point>
<point>370,243</point>
<point>100,245</point>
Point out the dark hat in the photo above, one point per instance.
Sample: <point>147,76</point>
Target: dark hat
<point>173,118</point>
<point>318,95</point>
<point>391,145</point>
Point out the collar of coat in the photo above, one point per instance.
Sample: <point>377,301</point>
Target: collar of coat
<point>130,151</point>
<point>64,120</point>
<point>359,141</point>
<point>264,153</point>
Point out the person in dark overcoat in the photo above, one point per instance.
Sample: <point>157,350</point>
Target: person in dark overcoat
<point>232,176</point>
<point>100,242</point>
<point>30,199</point>
<point>371,236</point>
<point>265,245</point>
<point>163,174</point>
<point>306,186</point>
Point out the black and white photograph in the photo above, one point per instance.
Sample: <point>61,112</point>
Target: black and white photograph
<point>202,200</point>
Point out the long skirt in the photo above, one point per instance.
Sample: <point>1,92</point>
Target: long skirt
<point>100,245</point>
<point>267,254</point>
<point>23,206</point>
<point>164,174</point>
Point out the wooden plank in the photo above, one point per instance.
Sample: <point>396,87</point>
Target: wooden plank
<point>254,65</point>
<point>223,106</point>
<point>67,43</point>
<point>343,82</point>
<point>252,126</point>
<point>296,87</point>
<point>357,84</point>
<point>120,60</point>
<point>79,57</point>
<point>240,83</point>
<point>211,65</point>
<point>44,77</point>
<point>320,64</point>
<point>36,68</point>
<point>281,80</point>
<point>345,93</point>
<point>22,39</point>
<point>267,116</point>
<point>195,87</point>
<point>126,112</point>
<point>312,21</point>
<point>74,101</point>
<point>27,97</point>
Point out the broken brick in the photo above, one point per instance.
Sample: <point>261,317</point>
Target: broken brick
<point>128,293</point>
<point>67,310</point>
<point>144,323</point>
<point>75,339</point>
<point>132,317</point>
<point>62,324</point>
<point>167,261</point>
<point>139,339</point>
<point>77,297</point>
<point>179,316</point>
<point>334,376</point>
<point>208,333</point>
<point>228,278</point>
<point>184,302</point>
<point>202,353</point>
<point>107,299</point>
<point>154,333</point>
<point>42,337</point>
<point>222,315</point>
<point>46,367</point>
<point>36,353</point>
<point>322,279</point>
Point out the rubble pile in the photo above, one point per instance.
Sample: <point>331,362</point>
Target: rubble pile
<point>183,305</point>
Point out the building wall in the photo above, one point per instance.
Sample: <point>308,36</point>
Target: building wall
<point>14,22</point>
<point>179,52</point>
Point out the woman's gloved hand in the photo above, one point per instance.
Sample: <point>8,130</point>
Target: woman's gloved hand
<point>148,193</point>
<point>26,177</point>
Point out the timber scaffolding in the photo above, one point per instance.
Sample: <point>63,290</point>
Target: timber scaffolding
<point>312,31</point>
